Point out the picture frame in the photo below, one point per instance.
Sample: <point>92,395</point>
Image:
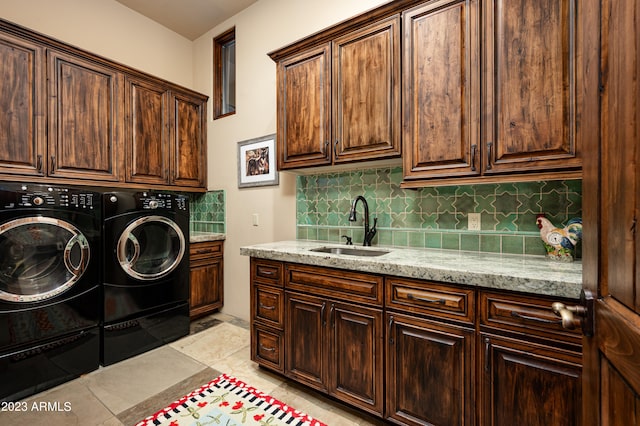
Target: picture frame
<point>257,162</point>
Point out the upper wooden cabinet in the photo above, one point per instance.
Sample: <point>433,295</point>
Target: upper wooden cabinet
<point>531,69</point>
<point>73,117</point>
<point>512,110</point>
<point>339,101</point>
<point>85,100</point>
<point>441,90</point>
<point>165,138</point>
<point>22,102</point>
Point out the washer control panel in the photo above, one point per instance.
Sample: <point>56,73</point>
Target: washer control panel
<point>43,196</point>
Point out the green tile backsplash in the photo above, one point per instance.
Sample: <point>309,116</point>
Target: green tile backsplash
<point>207,212</point>
<point>434,217</point>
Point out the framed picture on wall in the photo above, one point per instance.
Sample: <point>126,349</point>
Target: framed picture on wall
<point>257,162</point>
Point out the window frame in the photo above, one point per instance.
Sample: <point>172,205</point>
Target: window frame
<point>218,75</point>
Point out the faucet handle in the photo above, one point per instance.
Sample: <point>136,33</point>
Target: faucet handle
<point>349,242</point>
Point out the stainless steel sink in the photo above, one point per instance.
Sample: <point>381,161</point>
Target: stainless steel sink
<point>350,251</point>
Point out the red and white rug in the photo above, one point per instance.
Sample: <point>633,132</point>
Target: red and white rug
<point>229,401</point>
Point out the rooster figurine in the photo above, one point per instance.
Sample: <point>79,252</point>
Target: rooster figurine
<point>560,243</point>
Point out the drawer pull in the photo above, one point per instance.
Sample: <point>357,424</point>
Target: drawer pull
<point>534,319</point>
<point>203,251</point>
<point>264,348</point>
<point>266,272</point>
<point>269,308</point>
<point>422,299</point>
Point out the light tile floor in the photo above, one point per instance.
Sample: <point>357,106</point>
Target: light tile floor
<point>126,392</point>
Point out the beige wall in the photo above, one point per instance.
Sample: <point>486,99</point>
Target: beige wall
<point>107,28</point>
<point>262,28</point>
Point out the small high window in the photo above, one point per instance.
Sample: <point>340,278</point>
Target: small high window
<point>224,79</point>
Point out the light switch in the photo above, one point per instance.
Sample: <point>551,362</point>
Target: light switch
<point>255,219</point>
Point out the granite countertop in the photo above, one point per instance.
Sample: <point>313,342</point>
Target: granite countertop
<point>529,274</point>
<point>199,237</point>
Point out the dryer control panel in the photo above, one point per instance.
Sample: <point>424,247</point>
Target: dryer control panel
<point>119,202</point>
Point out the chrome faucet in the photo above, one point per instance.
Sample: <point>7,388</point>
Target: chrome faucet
<point>368,233</point>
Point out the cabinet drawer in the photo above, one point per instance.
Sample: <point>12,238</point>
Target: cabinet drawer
<point>525,314</point>
<point>268,306</point>
<point>335,283</point>
<point>205,250</point>
<point>267,348</point>
<point>427,298</point>
<point>266,272</point>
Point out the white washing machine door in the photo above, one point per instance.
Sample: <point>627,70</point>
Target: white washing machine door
<point>40,257</point>
<point>150,247</point>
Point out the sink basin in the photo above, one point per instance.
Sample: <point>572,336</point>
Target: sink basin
<point>350,251</point>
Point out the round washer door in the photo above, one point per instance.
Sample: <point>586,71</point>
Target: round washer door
<point>40,257</point>
<point>150,247</point>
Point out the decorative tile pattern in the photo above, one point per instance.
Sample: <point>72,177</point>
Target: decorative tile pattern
<point>434,217</point>
<point>207,212</point>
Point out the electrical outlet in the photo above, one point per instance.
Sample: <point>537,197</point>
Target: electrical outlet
<point>474,222</point>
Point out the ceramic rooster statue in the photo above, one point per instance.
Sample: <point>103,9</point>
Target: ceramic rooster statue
<point>560,242</point>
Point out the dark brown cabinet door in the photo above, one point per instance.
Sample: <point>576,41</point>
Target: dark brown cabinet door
<point>440,83</point>
<point>206,278</point>
<point>85,100</point>
<point>306,340</point>
<point>357,356</point>
<point>527,384</point>
<point>187,141</point>
<point>304,109</point>
<point>22,106</point>
<point>430,372</point>
<point>366,94</point>
<point>146,132</point>
<point>530,85</point>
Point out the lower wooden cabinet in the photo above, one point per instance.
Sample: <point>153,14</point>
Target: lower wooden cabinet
<point>530,367</point>
<point>430,372</point>
<point>416,352</point>
<point>524,383</point>
<point>206,276</point>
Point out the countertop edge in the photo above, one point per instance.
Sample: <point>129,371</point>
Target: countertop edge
<point>528,274</point>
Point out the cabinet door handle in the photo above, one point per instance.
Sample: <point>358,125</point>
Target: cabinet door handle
<point>324,321</point>
<point>268,308</point>
<point>53,163</point>
<point>391,329</point>
<point>534,319</point>
<point>487,350</point>
<point>422,299</point>
<point>489,146</point>
<point>474,149</point>
<point>327,148</point>
<point>332,314</point>
<point>264,348</point>
<point>265,272</point>
<point>335,149</point>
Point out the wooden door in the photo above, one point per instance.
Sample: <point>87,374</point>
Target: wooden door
<point>611,205</point>
<point>357,356</point>
<point>146,132</point>
<point>187,141</point>
<point>306,340</point>
<point>441,78</point>
<point>22,102</point>
<point>304,109</point>
<point>430,372</point>
<point>85,107</point>
<point>530,88</point>
<point>366,92</point>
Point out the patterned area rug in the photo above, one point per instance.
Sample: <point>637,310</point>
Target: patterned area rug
<point>227,401</point>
